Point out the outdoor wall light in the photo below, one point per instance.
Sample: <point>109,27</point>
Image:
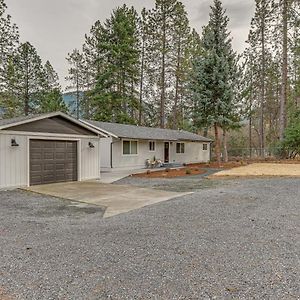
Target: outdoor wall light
<point>91,145</point>
<point>14,143</point>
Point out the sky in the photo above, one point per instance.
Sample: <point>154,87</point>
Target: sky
<point>56,27</point>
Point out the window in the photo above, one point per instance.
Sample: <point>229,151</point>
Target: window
<point>129,147</point>
<point>180,148</point>
<point>151,146</point>
<point>205,147</point>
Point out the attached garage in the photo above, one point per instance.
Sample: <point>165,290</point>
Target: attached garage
<point>52,161</point>
<point>47,149</point>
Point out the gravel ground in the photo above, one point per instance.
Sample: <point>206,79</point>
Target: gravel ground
<point>176,184</point>
<point>240,240</point>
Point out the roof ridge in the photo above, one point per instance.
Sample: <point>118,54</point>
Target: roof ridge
<point>145,132</point>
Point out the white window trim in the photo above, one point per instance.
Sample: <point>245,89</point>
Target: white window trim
<point>154,146</point>
<point>137,147</point>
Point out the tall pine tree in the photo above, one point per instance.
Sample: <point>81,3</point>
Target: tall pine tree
<point>51,96</point>
<point>115,94</point>
<point>214,76</point>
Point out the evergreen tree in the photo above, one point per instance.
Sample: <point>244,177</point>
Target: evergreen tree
<point>76,78</point>
<point>9,39</point>
<point>161,28</point>
<point>182,40</point>
<point>115,92</point>
<point>143,33</point>
<point>259,52</point>
<point>51,97</point>
<point>215,75</point>
<point>29,78</point>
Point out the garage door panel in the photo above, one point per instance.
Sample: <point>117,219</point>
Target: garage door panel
<point>71,156</point>
<point>70,146</point>
<point>48,155</point>
<point>35,144</point>
<point>70,176</point>
<point>60,156</point>
<point>35,155</point>
<point>52,161</point>
<point>35,179</point>
<point>49,179</point>
<point>59,145</point>
<point>60,167</point>
<point>35,168</point>
<point>49,167</point>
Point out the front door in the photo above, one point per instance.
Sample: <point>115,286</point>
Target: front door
<point>167,152</point>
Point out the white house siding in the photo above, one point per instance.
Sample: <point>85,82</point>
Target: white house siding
<point>105,162</point>
<point>90,159</point>
<point>193,153</point>
<point>14,161</point>
<point>136,161</point>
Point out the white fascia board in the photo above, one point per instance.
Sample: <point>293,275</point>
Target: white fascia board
<point>54,114</point>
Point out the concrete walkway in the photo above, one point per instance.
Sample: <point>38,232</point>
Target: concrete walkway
<point>116,199</point>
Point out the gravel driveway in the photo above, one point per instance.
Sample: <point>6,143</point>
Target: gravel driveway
<point>239,240</point>
<point>176,184</point>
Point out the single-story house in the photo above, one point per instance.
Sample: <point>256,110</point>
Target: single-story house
<point>47,148</point>
<point>129,146</point>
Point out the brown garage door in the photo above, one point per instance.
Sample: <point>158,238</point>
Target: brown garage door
<point>52,161</point>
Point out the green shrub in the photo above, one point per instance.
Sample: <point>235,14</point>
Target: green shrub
<point>188,171</point>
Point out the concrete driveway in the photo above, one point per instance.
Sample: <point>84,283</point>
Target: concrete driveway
<point>115,198</point>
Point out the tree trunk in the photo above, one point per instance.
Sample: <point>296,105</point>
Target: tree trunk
<point>77,97</point>
<point>250,137</point>
<point>175,123</point>
<point>250,113</point>
<point>262,133</point>
<point>163,71</point>
<point>283,98</point>
<point>225,145</point>
<point>217,144</point>
<point>142,81</point>
<point>26,92</point>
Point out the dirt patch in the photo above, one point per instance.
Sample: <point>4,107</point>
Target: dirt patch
<point>202,168</point>
<point>261,170</point>
<point>172,173</point>
<point>215,165</point>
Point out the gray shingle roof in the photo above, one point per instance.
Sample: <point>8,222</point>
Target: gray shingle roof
<point>146,133</point>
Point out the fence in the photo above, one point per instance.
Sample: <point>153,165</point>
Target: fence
<point>252,153</point>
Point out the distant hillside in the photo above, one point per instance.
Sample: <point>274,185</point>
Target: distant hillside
<point>70,100</point>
